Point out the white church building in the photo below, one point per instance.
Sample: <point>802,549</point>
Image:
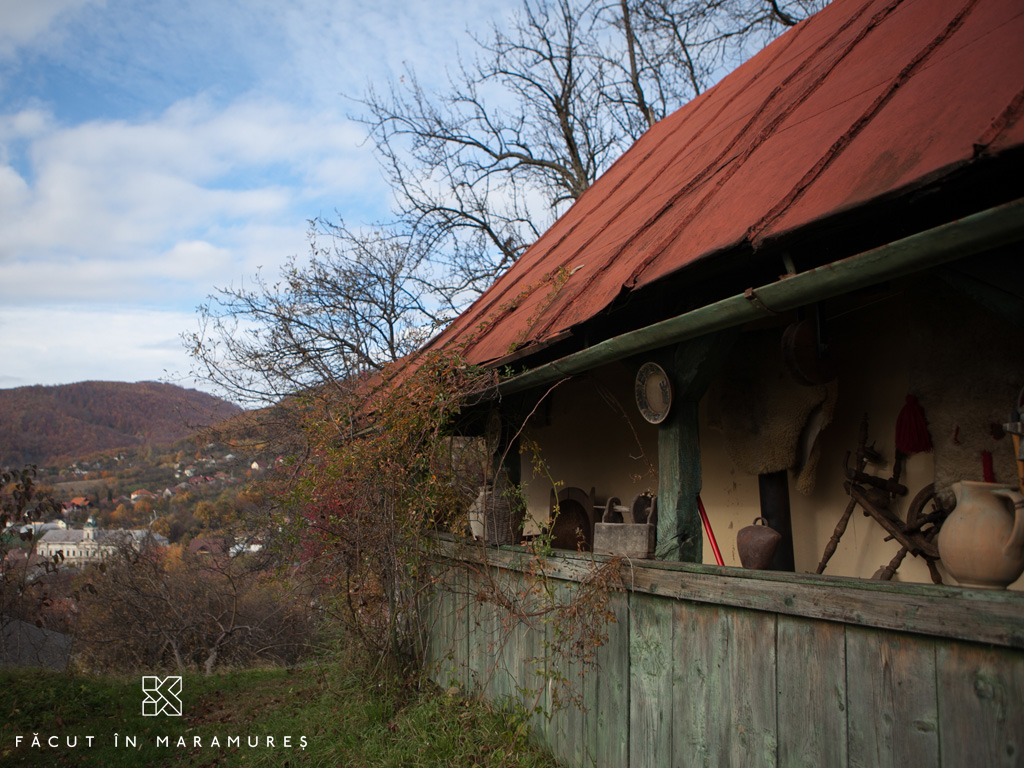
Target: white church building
<point>90,544</point>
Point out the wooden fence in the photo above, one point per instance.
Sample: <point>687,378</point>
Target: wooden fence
<point>708,666</point>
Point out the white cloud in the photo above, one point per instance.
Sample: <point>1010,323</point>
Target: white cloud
<point>107,203</point>
<point>14,191</point>
<point>25,20</point>
<point>59,346</point>
<point>150,152</point>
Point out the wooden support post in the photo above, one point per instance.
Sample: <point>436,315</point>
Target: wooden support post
<point>679,526</point>
<point>691,366</point>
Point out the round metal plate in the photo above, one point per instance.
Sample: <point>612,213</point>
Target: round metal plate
<point>653,393</point>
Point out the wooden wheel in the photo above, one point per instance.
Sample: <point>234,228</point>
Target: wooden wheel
<point>915,513</point>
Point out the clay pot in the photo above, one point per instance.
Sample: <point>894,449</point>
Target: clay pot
<point>757,544</point>
<point>981,543</point>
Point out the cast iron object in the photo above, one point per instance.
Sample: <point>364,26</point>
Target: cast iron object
<point>757,545</point>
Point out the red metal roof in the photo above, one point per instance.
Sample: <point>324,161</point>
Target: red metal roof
<point>863,100</point>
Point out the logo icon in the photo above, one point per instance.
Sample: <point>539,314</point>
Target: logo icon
<point>161,696</point>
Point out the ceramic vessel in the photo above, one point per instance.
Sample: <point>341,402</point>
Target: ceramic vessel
<point>982,541</point>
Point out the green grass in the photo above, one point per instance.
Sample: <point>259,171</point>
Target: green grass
<point>349,717</point>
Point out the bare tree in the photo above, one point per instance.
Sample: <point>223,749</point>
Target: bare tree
<point>32,588</point>
<point>358,303</point>
<point>524,126</point>
<point>147,608</point>
<point>542,108</point>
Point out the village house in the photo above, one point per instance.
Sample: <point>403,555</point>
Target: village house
<point>79,504</point>
<point>799,300</point>
<point>208,546</point>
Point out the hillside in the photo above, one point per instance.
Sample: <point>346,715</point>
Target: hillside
<point>45,425</point>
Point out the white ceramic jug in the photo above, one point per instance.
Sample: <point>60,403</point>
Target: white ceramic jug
<point>982,541</point>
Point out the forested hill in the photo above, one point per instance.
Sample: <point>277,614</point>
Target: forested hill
<point>45,425</point>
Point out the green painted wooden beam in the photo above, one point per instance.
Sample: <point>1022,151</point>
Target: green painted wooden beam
<point>968,236</point>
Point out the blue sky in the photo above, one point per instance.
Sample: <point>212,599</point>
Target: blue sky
<point>152,151</point>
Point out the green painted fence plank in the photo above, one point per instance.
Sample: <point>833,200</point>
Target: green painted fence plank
<point>448,646</point>
<point>812,693</point>
<point>724,687</point>
<point>533,666</point>
<point>891,699</point>
<point>981,717</point>
<point>476,627</point>
<point>608,724</point>
<point>568,684</point>
<point>650,690</point>
<point>463,619</point>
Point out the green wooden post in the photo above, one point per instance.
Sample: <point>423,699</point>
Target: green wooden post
<point>691,366</point>
<point>679,534</point>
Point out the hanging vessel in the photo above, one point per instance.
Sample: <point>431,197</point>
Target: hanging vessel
<point>982,541</point>
<point>756,545</point>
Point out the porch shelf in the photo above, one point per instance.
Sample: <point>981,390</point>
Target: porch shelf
<point>994,617</point>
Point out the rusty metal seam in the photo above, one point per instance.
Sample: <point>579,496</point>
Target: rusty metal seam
<point>1002,123</point>
<point>766,131</point>
<point>851,133</point>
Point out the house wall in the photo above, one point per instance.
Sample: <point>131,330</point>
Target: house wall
<point>921,338</point>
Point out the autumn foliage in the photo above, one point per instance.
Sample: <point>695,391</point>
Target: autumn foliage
<point>386,468</point>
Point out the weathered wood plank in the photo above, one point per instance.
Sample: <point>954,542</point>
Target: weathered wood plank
<point>432,610</point>
<point>981,706</point>
<point>566,724</point>
<point>514,650</point>
<point>608,720</point>
<point>724,696</point>
<point>534,692</point>
<point>500,586</point>
<point>479,627</point>
<point>752,688</point>
<point>812,693</point>
<point>448,651</point>
<point>503,673</point>
<point>650,691</point>
<point>892,700</point>
<point>985,616</point>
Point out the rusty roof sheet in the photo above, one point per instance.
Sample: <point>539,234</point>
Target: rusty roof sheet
<point>863,99</point>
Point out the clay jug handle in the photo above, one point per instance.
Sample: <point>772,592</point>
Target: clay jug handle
<point>1015,544</point>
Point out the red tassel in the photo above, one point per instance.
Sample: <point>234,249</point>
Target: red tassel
<point>912,429</point>
<point>987,472</point>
